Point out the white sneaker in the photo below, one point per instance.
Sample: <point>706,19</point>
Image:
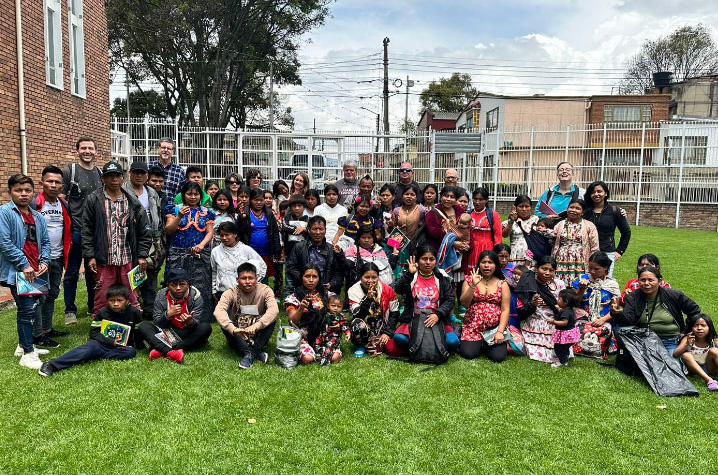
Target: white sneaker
<point>70,318</point>
<point>31,360</point>
<point>40,351</point>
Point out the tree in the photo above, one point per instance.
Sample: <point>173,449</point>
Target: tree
<point>449,94</point>
<point>142,103</point>
<point>211,58</point>
<point>687,52</point>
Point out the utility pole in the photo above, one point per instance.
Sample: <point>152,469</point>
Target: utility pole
<point>386,92</point>
<point>271,96</point>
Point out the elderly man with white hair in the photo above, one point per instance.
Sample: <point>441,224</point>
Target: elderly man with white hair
<point>349,185</point>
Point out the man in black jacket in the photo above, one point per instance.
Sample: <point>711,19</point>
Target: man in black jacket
<point>115,235</point>
<point>316,249</point>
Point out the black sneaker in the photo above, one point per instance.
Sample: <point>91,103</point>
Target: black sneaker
<point>56,334</point>
<point>45,342</point>
<point>263,357</point>
<point>46,370</point>
<point>247,361</point>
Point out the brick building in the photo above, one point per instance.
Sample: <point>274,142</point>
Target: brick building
<point>66,79</point>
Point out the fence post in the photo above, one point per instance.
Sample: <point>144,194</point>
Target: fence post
<point>147,138</point>
<point>463,171</point>
<point>531,163</point>
<point>240,150</point>
<point>310,158</point>
<point>640,173</point>
<point>432,158</point>
<point>176,124</point>
<point>240,164</point>
<point>275,156</point>
<point>206,132</point>
<point>603,151</point>
<point>496,174</point>
<point>406,145</point>
<point>680,176</point>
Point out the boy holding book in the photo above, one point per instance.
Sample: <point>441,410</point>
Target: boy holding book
<point>24,251</point>
<point>109,338</point>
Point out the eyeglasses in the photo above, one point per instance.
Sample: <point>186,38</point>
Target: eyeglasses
<point>565,170</point>
<point>405,170</point>
<point>233,183</point>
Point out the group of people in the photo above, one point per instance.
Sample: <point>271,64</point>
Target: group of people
<point>405,270</point>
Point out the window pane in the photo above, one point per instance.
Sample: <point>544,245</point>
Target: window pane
<point>51,44</point>
<point>627,113</point>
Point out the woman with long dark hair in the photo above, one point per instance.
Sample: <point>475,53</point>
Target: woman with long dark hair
<point>224,211</point>
<point>307,309</point>
<point>261,232</point>
<point>538,292</point>
<point>485,226</point>
<point>520,224</point>
<point>488,298</point>
<point>606,218</point>
<point>190,230</point>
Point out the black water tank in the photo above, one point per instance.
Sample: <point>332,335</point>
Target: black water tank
<point>662,79</point>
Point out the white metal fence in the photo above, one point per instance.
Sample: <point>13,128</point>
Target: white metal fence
<point>668,162</point>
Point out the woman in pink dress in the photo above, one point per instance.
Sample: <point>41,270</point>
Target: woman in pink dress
<point>485,226</point>
<point>488,297</point>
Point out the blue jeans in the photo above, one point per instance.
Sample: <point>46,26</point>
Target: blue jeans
<point>670,343</point>
<point>612,256</point>
<point>72,274</point>
<point>46,304</point>
<point>25,317</point>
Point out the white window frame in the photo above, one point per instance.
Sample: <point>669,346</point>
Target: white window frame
<point>76,33</point>
<point>53,44</point>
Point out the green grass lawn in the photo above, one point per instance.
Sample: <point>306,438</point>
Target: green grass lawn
<point>362,416</point>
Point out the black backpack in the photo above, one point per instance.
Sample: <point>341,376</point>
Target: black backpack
<point>427,345</point>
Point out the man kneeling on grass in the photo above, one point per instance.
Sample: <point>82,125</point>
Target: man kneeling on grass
<point>111,331</point>
<point>177,319</point>
<point>247,314</point>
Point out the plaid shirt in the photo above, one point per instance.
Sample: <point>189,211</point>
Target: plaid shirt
<point>174,177</point>
<point>117,214</point>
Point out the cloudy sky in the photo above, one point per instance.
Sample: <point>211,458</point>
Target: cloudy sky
<point>511,47</point>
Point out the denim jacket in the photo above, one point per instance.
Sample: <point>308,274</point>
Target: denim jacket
<point>12,240</point>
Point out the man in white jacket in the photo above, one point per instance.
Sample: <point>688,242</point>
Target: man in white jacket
<point>229,255</point>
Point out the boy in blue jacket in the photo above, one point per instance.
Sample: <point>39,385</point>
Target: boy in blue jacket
<point>101,346</point>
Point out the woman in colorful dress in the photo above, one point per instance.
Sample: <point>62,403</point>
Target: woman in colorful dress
<point>576,241</point>
<point>646,260</point>
<point>485,226</point>
<point>538,293</point>
<point>373,303</point>
<point>409,218</point>
<point>190,229</point>
<point>307,310</point>
<point>598,290</point>
<point>520,222</point>
<point>487,296</point>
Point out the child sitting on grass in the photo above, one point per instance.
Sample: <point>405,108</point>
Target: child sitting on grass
<point>566,332</point>
<point>100,346</point>
<point>698,349</point>
<point>326,345</point>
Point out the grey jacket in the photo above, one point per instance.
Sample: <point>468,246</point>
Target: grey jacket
<point>194,304</point>
<point>157,222</point>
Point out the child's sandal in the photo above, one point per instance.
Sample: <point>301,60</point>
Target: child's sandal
<point>712,386</point>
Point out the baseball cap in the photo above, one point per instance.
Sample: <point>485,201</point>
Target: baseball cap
<point>141,166</point>
<point>112,167</point>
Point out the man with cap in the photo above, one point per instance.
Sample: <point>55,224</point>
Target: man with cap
<point>151,202</point>
<point>177,319</point>
<point>247,314</point>
<point>115,234</point>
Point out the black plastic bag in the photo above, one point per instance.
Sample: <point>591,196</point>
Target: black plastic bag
<point>427,345</point>
<point>641,351</point>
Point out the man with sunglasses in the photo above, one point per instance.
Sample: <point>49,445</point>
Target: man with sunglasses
<point>406,178</point>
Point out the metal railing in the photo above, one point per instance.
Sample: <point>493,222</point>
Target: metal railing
<point>673,163</point>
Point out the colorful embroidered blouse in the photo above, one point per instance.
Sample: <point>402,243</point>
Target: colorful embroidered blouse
<point>192,227</point>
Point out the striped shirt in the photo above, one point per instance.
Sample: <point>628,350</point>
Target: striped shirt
<point>117,214</point>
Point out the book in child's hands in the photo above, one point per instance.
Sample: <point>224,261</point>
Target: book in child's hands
<point>36,287</point>
<point>115,331</point>
<point>397,239</point>
<point>136,277</point>
<point>168,337</point>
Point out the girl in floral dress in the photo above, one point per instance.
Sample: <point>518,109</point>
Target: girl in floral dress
<point>520,222</point>
<point>487,295</point>
<point>576,241</point>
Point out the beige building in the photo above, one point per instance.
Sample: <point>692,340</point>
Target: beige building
<point>695,98</point>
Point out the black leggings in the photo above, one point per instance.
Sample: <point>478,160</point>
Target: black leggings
<point>190,339</point>
<point>562,352</point>
<point>242,346</point>
<point>471,350</point>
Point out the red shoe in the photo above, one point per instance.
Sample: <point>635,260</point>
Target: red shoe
<point>154,354</point>
<point>176,355</point>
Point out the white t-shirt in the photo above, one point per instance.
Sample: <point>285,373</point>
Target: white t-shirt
<point>55,224</point>
<point>145,201</point>
<point>331,215</point>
